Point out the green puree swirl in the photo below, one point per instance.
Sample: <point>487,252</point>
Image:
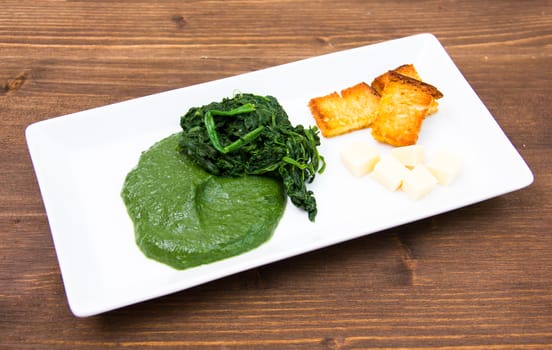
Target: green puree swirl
<point>184,216</point>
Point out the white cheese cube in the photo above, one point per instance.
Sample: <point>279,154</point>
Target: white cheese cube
<point>389,172</point>
<point>445,166</point>
<point>418,182</point>
<point>410,156</point>
<point>359,158</point>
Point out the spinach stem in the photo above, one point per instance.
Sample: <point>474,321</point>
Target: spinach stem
<point>294,162</point>
<point>212,132</point>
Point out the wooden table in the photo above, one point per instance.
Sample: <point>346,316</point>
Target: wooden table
<point>475,278</point>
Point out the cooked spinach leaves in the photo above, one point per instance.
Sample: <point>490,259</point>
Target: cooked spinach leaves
<point>251,135</point>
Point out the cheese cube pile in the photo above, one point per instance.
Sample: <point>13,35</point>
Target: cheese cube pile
<point>404,168</point>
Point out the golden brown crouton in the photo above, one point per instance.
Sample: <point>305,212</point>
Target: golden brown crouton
<point>338,114</point>
<point>403,107</point>
<point>406,69</point>
<point>410,71</point>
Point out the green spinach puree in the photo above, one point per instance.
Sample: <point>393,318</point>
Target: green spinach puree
<point>184,216</point>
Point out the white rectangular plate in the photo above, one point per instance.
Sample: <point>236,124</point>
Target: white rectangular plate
<point>81,161</point>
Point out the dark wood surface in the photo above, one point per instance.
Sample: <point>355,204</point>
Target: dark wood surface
<point>475,278</point>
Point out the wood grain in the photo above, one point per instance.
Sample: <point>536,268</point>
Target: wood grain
<point>476,278</point>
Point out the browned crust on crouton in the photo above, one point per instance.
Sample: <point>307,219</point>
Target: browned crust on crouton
<point>410,71</point>
<point>428,88</point>
<point>406,69</point>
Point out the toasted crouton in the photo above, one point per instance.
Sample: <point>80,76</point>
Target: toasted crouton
<point>403,107</point>
<point>428,88</point>
<point>410,71</point>
<point>406,69</point>
<point>338,114</point>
